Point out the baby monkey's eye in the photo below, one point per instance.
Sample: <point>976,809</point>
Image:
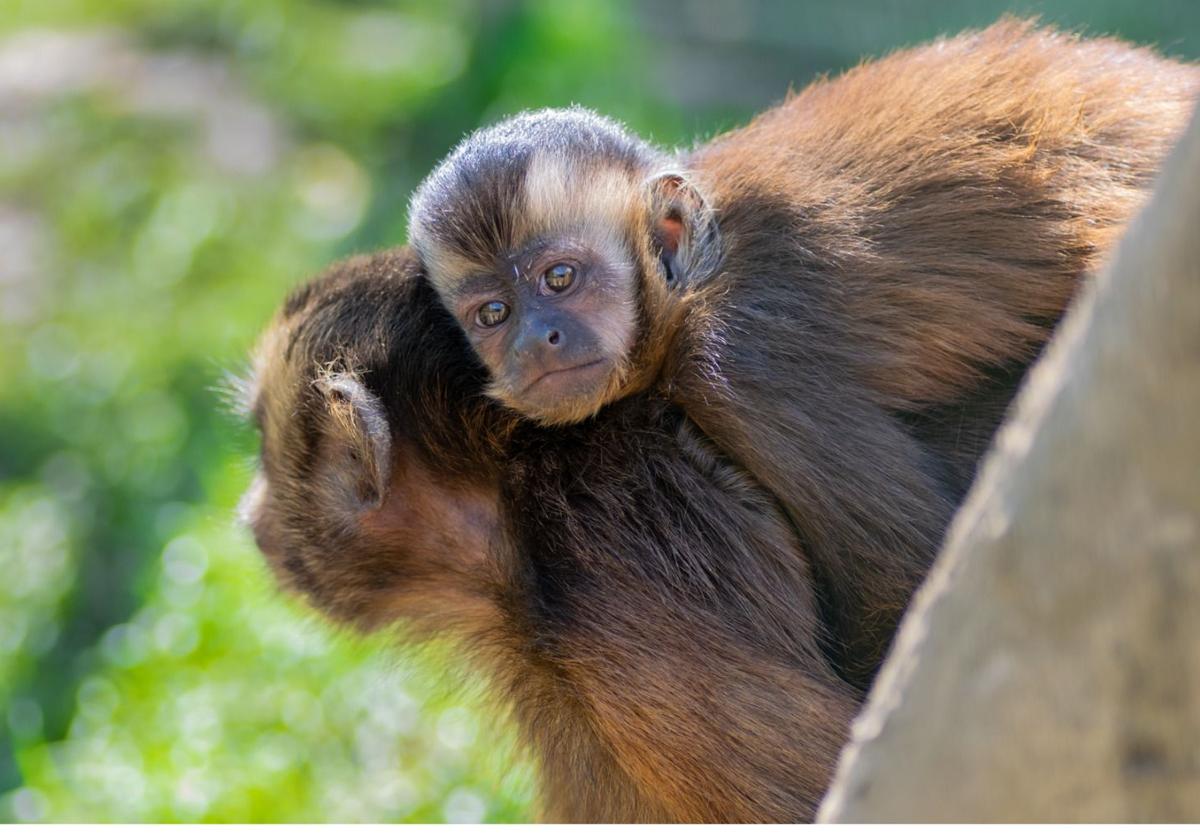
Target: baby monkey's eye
<point>559,277</point>
<point>492,313</point>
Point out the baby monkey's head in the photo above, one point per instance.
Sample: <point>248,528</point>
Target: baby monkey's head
<point>558,239</point>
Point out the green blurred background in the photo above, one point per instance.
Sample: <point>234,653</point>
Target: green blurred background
<point>168,169</point>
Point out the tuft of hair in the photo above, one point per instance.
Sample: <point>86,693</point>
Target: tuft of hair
<point>237,391</point>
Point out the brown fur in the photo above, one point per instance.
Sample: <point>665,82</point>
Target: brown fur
<point>962,189</point>
<point>639,604</point>
<point>634,595</point>
<point>899,242</point>
<point>868,270</point>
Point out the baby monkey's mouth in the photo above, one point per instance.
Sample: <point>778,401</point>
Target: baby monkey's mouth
<point>568,380</point>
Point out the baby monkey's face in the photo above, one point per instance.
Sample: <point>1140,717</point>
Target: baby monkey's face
<point>554,322</point>
<point>556,240</point>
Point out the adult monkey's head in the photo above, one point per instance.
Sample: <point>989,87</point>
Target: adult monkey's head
<point>375,491</point>
<point>555,238</point>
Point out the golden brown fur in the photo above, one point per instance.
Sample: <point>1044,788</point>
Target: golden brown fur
<point>865,273</point>
<point>964,188</point>
<point>898,244</point>
<point>895,245</point>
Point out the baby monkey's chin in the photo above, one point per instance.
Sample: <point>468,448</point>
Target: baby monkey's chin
<point>567,394</point>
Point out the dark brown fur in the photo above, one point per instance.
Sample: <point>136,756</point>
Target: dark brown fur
<point>893,248</point>
<point>633,595</point>
<point>638,602</point>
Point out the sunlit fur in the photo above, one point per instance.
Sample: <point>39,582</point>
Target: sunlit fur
<point>636,596</point>
<point>954,194</point>
<point>898,244</point>
<point>870,267</point>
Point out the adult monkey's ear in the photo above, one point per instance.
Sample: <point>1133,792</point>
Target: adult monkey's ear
<point>684,229</point>
<point>357,457</point>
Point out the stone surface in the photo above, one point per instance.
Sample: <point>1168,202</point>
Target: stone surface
<point>1050,668</point>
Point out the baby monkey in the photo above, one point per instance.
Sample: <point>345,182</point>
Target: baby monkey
<point>843,295</point>
<point>554,238</point>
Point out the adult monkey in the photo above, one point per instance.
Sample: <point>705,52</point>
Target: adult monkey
<point>576,640</point>
<point>643,608</point>
<point>843,295</point>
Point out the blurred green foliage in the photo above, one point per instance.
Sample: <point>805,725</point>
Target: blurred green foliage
<point>167,171</point>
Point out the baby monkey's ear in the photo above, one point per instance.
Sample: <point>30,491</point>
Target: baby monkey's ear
<point>684,229</point>
<point>359,440</point>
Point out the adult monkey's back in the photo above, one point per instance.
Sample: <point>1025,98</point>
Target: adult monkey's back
<point>643,609</point>
<point>928,216</point>
<point>842,295</point>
